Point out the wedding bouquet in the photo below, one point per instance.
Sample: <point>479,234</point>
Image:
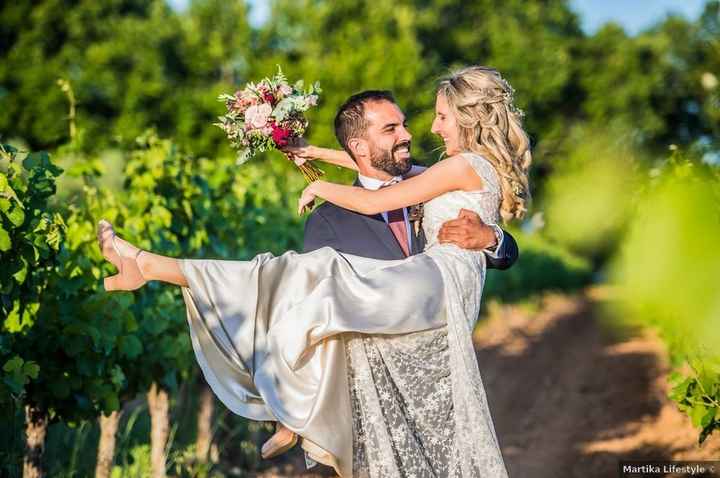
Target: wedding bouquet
<point>268,114</point>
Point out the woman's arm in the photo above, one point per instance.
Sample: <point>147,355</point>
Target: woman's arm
<point>450,174</point>
<point>307,152</point>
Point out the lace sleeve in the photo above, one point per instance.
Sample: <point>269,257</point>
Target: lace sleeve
<point>485,170</point>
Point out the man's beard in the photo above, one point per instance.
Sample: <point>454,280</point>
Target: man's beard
<point>384,160</point>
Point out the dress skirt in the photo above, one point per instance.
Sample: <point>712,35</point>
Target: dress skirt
<point>270,334</point>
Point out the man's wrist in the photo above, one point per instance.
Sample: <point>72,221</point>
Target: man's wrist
<point>498,234</point>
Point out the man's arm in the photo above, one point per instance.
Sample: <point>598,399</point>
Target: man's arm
<point>470,232</point>
<point>318,233</point>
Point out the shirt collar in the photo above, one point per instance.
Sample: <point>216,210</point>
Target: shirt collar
<point>374,183</point>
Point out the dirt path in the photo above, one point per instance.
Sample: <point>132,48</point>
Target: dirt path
<point>570,398</point>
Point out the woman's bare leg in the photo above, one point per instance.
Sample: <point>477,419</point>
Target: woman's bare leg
<point>162,268</point>
<point>135,266</point>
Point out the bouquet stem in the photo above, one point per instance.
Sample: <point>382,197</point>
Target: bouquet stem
<point>310,172</point>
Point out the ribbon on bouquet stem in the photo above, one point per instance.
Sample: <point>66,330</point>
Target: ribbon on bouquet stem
<point>309,171</point>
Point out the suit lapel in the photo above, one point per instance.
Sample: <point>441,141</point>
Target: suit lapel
<point>380,228</point>
<point>418,240</point>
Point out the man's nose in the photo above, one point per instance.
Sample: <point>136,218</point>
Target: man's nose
<point>404,134</point>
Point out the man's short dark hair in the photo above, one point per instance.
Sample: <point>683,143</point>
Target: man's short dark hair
<point>350,121</point>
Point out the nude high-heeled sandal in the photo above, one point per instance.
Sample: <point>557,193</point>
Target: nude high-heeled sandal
<point>279,443</point>
<point>129,276</point>
<point>319,454</point>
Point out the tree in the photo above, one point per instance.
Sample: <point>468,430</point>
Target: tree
<point>124,89</point>
<point>532,43</point>
<point>348,52</point>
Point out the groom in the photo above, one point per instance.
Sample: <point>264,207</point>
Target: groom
<point>371,128</point>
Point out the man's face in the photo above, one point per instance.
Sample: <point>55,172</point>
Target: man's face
<point>388,139</point>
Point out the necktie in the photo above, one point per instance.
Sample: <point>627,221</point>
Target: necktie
<point>396,221</point>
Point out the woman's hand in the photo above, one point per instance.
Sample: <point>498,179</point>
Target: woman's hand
<point>300,151</point>
<point>307,199</point>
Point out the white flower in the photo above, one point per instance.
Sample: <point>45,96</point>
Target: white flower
<point>285,89</point>
<point>311,100</point>
<point>283,108</point>
<point>257,115</point>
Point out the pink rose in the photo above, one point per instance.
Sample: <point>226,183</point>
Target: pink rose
<point>257,115</point>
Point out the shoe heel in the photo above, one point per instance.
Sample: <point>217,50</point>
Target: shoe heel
<point>281,449</point>
<point>319,454</point>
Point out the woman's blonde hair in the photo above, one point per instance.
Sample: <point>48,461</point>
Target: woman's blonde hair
<point>489,124</point>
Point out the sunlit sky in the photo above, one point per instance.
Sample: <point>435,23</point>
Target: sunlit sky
<point>633,15</point>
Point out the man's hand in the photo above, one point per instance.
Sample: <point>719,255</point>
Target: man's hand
<point>468,231</point>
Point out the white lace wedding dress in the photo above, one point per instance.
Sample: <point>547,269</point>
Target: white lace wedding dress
<point>370,360</point>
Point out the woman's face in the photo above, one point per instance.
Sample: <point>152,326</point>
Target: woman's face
<point>445,126</point>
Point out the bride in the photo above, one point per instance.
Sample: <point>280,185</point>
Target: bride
<point>269,334</point>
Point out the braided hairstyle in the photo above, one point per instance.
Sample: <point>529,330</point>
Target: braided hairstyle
<point>489,124</point>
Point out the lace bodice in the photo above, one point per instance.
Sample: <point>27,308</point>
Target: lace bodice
<point>485,202</point>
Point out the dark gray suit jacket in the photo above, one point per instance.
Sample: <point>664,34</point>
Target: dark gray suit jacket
<point>369,236</point>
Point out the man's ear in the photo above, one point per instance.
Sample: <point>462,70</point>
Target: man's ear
<point>359,147</point>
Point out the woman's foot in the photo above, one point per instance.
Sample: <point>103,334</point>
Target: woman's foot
<point>122,255</point>
<point>279,443</point>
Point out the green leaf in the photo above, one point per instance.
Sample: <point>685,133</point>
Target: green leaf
<point>5,242</point>
<point>708,418</point>
<point>16,216</point>
<point>21,274</point>
<point>679,391</point>
<point>34,160</point>
<point>31,369</point>
<point>707,380</point>
<point>117,376</point>
<point>13,322</point>
<point>13,364</point>
<point>130,346</point>
<point>697,413</point>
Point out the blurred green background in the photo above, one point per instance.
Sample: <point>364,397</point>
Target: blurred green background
<point>625,128</point>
